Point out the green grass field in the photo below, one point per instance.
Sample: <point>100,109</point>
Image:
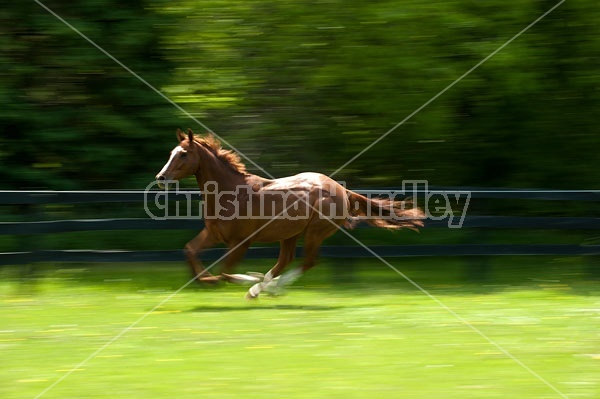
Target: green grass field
<point>369,334</point>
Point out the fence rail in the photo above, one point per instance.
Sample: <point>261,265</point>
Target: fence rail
<point>67,226</point>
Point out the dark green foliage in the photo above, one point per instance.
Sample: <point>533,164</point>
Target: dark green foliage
<point>71,117</point>
<point>303,86</point>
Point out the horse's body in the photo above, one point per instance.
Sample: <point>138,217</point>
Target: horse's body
<point>242,208</point>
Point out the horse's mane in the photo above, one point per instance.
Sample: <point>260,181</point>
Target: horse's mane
<point>214,145</point>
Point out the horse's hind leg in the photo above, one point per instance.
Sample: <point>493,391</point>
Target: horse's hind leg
<point>317,231</point>
<point>311,251</point>
<point>287,252</point>
<point>202,241</point>
<point>314,237</point>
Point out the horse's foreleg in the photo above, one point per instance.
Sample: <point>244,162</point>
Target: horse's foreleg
<point>235,254</point>
<point>193,248</point>
<point>287,252</point>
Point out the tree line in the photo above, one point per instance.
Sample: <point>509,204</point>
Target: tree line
<point>303,85</point>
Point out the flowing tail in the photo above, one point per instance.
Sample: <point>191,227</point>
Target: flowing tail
<point>384,213</point>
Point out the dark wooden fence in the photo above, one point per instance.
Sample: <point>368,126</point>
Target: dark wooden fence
<point>28,201</point>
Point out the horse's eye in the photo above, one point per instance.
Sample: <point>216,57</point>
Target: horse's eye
<point>183,154</point>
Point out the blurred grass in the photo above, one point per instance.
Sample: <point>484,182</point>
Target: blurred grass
<point>335,335</point>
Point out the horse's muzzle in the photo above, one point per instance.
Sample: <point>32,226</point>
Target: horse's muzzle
<point>160,181</point>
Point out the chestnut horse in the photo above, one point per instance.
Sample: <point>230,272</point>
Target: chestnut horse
<point>241,208</point>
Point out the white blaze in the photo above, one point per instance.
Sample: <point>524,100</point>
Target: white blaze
<point>174,153</point>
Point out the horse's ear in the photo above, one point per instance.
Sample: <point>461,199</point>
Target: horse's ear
<point>190,135</point>
<point>180,135</point>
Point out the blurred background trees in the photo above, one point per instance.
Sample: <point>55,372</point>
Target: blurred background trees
<point>303,85</point>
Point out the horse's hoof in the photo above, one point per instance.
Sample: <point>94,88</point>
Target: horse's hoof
<point>211,280</point>
<point>273,288</point>
<point>254,291</point>
<point>250,297</point>
<point>241,279</point>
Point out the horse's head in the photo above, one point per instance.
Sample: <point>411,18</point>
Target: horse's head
<point>183,162</point>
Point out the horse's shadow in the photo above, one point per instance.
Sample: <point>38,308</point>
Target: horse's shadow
<point>250,307</point>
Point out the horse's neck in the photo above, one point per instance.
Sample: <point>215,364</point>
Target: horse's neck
<point>212,170</point>
<point>215,177</point>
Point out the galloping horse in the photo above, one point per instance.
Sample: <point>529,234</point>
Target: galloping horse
<point>241,208</point>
